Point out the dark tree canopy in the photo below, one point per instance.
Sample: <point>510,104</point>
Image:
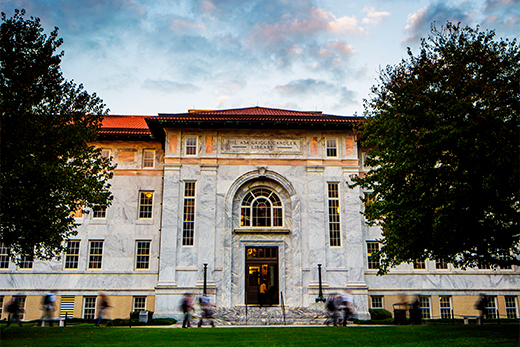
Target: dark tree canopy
<point>48,170</point>
<point>442,131</point>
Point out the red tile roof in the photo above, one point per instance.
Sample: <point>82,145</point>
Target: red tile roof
<point>125,125</point>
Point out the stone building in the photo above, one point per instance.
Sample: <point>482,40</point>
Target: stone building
<point>227,200</point>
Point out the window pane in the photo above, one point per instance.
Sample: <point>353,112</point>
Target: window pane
<point>261,210</point>
<point>377,301</point>
<point>145,204</point>
<point>188,226</point>
<point>331,148</point>
<point>26,262</point>
<point>511,309</point>
<point>95,255</point>
<point>445,306</point>
<point>425,306</point>
<point>372,247</point>
<point>72,256</point>
<point>89,307</point>
<point>143,255</point>
<point>191,145</point>
<point>4,256</point>
<point>139,303</point>
<point>148,158</point>
<point>334,222</point>
<point>99,211</point>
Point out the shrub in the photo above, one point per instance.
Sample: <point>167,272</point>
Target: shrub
<point>379,314</point>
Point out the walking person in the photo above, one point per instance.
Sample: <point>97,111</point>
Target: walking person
<point>14,312</point>
<point>347,304</point>
<point>207,310</point>
<point>187,308</point>
<point>103,305</point>
<point>332,309</point>
<point>480,305</point>
<point>262,295</point>
<point>48,306</point>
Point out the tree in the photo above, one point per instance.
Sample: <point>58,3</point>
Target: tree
<point>442,133</point>
<point>48,168</point>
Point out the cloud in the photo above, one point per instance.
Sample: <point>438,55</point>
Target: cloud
<point>167,86</point>
<point>503,15</point>
<point>311,87</point>
<point>374,17</point>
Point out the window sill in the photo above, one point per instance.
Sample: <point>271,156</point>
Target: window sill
<point>261,231</point>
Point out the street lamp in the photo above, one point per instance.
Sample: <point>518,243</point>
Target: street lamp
<point>205,277</point>
<point>320,293</point>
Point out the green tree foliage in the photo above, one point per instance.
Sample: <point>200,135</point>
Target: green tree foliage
<point>443,137</point>
<point>48,169</point>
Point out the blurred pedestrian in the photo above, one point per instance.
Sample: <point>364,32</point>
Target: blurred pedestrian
<point>103,305</point>
<point>207,310</point>
<point>262,293</point>
<point>48,306</point>
<point>14,312</point>
<point>332,306</point>
<point>187,308</point>
<point>415,311</point>
<point>480,305</point>
<point>347,305</point>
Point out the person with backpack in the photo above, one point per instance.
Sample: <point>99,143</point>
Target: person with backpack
<point>48,306</point>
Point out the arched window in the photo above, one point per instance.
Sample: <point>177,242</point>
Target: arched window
<point>261,207</point>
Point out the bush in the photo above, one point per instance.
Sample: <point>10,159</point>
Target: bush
<point>379,314</point>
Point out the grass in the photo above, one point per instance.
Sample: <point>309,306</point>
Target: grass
<point>427,335</point>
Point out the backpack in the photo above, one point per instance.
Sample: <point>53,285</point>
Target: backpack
<point>47,299</point>
<point>331,306</point>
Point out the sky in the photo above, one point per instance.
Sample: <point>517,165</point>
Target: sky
<point>148,57</point>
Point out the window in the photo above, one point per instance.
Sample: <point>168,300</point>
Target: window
<point>148,158</point>
<point>372,247</point>
<point>332,148</point>
<point>26,262</point>
<point>491,307</point>
<point>334,226</point>
<point>99,211</point>
<point>441,264</point>
<point>188,225</point>
<point>21,304</point>
<point>191,145</point>
<point>261,207</point>
<point>142,255</point>
<point>419,264</point>
<point>105,153</point>
<point>67,306</point>
<point>89,307</point>
<point>145,204</point>
<point>4,256</point>
<point>95,254</point>
<point>139,303</point>
<point>511,308</point>
<point>72,255</point>
<point>1,305</point>
<point>376,301</point>
<point>445,305</point>
<point>424,302</point>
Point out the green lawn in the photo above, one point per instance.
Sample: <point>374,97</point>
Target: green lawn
<point>434,335</point>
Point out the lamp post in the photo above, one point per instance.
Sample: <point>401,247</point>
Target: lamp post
<point>320,293</point>
<point>205,276</point>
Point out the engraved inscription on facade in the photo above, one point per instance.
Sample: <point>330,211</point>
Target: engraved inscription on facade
<point>261,145</point>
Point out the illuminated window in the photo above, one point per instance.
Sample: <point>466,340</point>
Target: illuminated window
<point>372,247</point>
<point>261,207</point>
<point>445,306</point>
<point>95,254</point>
<point>4,256</point>
<point>332,148</point>
<point>191,145</point>
<point>148,158</point>
<point>142,255</point>
<point>145,204</point>
<point>334,226</point>
<point>72,255</point>
<point>188,225</point>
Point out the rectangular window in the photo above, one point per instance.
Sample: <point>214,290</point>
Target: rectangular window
<point>21,304</point>
<point>148,158</point>
<point>441,264</point>
<point>26,262</point>
<point>142,255</point>
<point>4,256</point>
<point>188,225</point>
<point>424,302</point>
<point>89,307</point>
<point>332,148</point>
<point>95,254</point>
<point>419,264</point>
<point>334,226</point>
<point>372,247</point>
<point>139,303</point>
<point>105,153</point>
<point>145,204</point>
<point>72,255</point>
<point>511,308</point>
<point>445,306</point>
<point>491,307</point>
<point>99,211</point>
<point>376,301</point>
<point>191,145</point>
<point>67,306</point>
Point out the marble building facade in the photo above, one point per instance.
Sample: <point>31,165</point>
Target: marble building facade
<point>244,196</point>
